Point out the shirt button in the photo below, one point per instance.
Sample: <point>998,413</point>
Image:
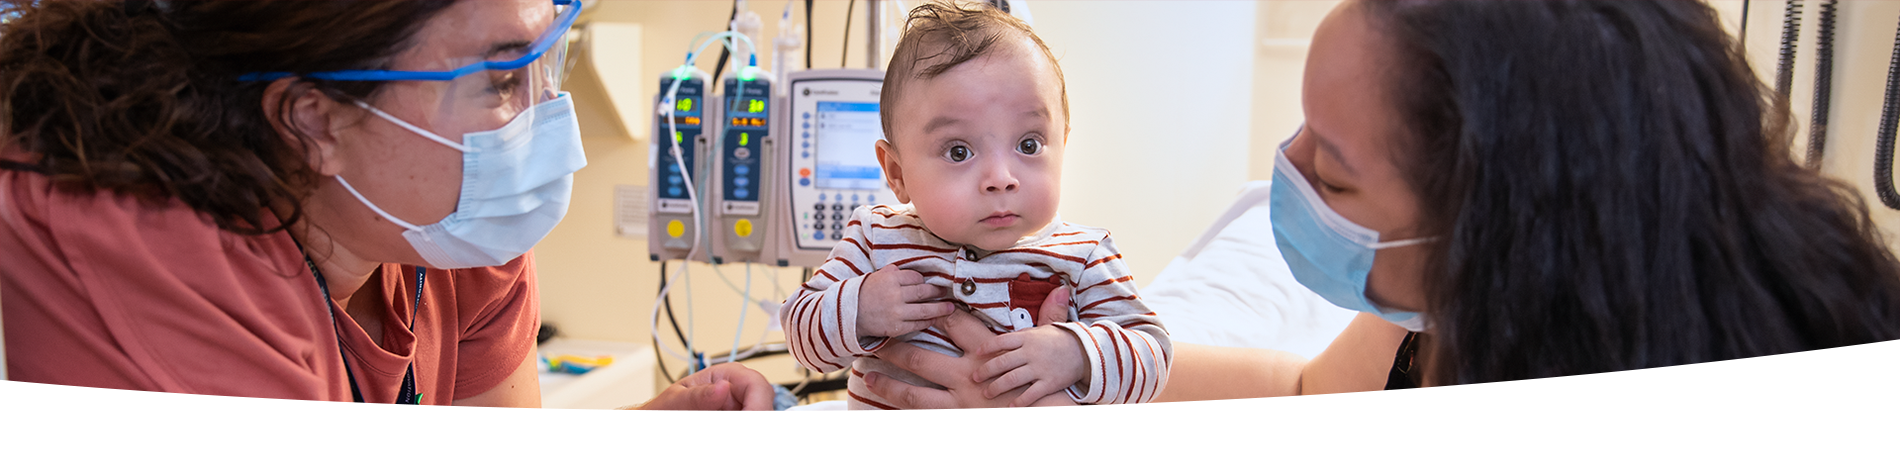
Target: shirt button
<point>969,287</point>
<point>969,253</point>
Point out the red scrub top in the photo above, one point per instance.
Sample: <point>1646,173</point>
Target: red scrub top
<point>107,290</point>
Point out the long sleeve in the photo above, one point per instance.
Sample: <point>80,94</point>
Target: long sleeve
<point>1128,350</point>
<point>821,318</point>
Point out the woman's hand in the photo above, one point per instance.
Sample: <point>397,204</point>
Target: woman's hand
<point>723,387</point>
<point>956,374</point>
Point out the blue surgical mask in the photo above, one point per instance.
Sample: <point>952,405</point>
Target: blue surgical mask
<point>516,183</point>
<point>1330,255</point>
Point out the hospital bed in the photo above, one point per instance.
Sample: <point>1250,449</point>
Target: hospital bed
<point>1231,288</point>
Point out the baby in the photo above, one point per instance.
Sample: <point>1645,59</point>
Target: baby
<point>976,117</point>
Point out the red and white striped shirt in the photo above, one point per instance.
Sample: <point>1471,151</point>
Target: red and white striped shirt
<point>1128,351</point>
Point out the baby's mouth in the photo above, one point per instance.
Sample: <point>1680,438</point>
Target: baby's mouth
<point>1001,219</point>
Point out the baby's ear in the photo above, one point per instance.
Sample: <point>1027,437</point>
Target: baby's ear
<point>893,172</point>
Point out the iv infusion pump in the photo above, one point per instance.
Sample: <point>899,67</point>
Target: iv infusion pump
<point>740,170</point>
<point>829,163</point>
<point>776,177</point>
<point>670,228</point>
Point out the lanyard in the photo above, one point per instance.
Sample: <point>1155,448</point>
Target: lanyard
<point>405,396</point>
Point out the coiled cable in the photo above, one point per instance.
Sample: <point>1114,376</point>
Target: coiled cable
<point>1790,32</point>
<point>1823,84</point>
<point>1883,142</point>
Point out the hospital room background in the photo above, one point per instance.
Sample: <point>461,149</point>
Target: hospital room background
<point>1176,108</point>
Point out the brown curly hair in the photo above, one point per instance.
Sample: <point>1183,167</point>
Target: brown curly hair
<point>144,97</point>
<point>940,36</point>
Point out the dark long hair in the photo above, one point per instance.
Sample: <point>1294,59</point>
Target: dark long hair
<point>1618,192</point>
<point>144,98</point>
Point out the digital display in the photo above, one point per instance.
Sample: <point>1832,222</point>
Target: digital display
<point>755,106</point>
<point>748,121</point>
<point>846,144</point>
<point>685,105</point>
<point>686,120</point>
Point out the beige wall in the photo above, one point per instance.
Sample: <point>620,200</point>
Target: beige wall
<point>1863,46</point>
<point>1129,65</point>
<point>1234,70</point>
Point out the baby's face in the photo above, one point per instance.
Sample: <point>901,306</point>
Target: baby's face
<point>977,150</point>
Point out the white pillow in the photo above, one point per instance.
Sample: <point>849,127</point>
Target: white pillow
<point>1230,288</point>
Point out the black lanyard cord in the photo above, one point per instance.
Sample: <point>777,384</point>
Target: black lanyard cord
<point>407,394</point>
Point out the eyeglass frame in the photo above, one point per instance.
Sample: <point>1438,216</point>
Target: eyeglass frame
<point>561,26</point>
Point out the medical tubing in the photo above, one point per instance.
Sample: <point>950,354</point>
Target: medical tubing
<point>1823,84</point>
<point>849,7</point>
<point>746,293</point>
<point>657,358</point>
<point>692,195</point>
<point>1883,141</point>
<point>808,43</point>
<point>1790,33</point>
<point>745,305</point>
<point>1742,33</point>
<point>699,358</point>
<point>720,66</point>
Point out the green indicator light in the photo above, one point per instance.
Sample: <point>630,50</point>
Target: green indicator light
<point>744,138</point>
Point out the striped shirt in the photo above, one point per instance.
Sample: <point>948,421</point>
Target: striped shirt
<point>1127,349</point>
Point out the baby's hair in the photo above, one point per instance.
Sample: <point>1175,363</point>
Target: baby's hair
<point>941,36</point>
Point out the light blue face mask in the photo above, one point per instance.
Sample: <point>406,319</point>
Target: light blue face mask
<point>516,183</point>
<point>1329,254</point>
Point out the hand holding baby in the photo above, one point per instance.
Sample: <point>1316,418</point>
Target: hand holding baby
<point>1046,359</point>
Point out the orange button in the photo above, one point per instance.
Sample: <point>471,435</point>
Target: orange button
<point>804,172</point>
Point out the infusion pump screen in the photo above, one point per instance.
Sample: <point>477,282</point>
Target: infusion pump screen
<point>846,138</point>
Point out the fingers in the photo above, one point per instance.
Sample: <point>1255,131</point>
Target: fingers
<point>1055,307</point>
<point>1040,394</point>
<point>900,276</point>
<point>998,366</point>
<point>965,330</point>
<point>931,366</point>
<point>1009,381</point>
<point>1002,343</point>
<point>906,396</point>
<point>924,312</point>
<point>696,397</point>
<point>919,293</point>
<point>749,389</point>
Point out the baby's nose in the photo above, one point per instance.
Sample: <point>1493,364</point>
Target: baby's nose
<point>1008,185</point>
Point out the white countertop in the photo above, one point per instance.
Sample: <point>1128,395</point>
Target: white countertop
<point>627,381</point>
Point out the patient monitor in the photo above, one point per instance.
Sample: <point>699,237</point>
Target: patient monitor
<point>828,159</point>
<point>671,230</point>
<point>740,170</point>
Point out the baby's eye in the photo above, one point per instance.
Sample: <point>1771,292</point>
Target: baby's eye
<point>1029,146</point>
<point>957,153</point>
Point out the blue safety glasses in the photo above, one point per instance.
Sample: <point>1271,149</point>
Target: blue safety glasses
<point>554,36</point>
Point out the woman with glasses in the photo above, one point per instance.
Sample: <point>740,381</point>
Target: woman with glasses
<point>305,200</point>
